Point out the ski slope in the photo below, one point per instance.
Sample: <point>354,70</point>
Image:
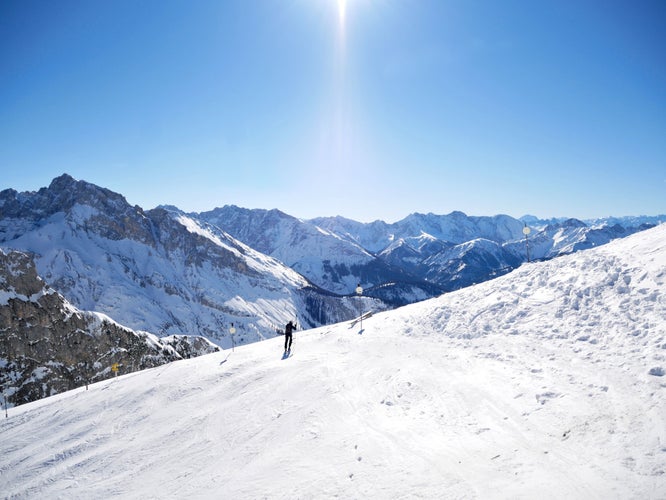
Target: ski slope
<point>548,382</point>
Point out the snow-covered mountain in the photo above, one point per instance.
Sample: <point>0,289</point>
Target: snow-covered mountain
<point>627,222</point>
<point>455,228</point>
<point>158,270</point>
<point>467,263</point>
<point>416,258</point>
<point>330,261</point>
<point>47,346</point>
<point>548,382</point>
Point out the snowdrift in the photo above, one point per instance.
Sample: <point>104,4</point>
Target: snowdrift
<point>547,382</point>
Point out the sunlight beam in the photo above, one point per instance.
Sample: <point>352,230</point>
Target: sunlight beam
<point>342,13</point>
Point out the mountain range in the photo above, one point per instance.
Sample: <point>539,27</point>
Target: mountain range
<point>168,272</point>
<point>337,253</point>
<point>157,270</point>
<point>418,257</point>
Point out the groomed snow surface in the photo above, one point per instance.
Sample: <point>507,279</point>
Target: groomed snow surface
<point>545,383</point>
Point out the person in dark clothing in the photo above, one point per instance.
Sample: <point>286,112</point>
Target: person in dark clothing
<point>288,330</point>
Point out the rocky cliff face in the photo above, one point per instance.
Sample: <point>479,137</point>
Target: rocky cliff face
<point>47,346</point>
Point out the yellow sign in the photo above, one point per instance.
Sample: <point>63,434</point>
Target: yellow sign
<point>114,367</point>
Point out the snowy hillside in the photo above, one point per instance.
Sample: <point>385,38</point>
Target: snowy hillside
<point>548,382</point>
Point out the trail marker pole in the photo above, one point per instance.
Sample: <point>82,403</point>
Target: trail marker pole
<point>232,330</point>
<point>359,292</point>
<point>526,231</point>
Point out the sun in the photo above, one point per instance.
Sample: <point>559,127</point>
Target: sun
<point>342,12</point>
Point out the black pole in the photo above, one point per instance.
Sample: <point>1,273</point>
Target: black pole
<point>359,292</point>
<point>360,306</point>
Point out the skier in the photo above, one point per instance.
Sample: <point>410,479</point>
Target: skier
<point>288,336</point>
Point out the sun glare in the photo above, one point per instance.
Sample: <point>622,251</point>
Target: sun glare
<point>342,11</point>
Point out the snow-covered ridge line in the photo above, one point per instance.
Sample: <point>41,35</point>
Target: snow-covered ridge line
<point>194,227</point>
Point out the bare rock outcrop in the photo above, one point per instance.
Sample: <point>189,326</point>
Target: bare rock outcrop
<point>47,346</point>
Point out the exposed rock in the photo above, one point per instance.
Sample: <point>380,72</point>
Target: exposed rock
<point>47,346</point>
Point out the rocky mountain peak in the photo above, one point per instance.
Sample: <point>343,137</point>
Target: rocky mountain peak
<point>62,195</point>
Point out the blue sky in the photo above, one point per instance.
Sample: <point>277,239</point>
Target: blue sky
<point>552,108</point>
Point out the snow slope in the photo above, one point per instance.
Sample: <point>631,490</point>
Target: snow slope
<point>547,382</point>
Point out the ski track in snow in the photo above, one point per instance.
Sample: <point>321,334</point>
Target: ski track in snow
<point>542,383</point>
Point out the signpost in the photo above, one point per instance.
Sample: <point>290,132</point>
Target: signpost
<point>232,330</point>
<point>115,368</point>
<point>526,232</point>
<point>359,292</point>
